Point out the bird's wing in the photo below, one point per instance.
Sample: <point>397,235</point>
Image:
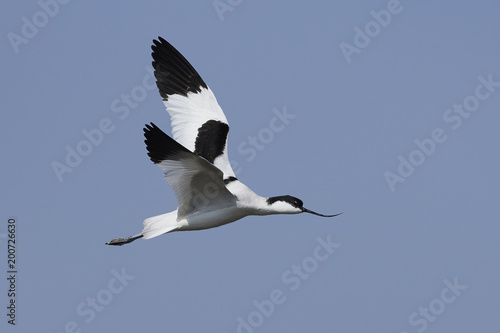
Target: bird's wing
<point>198,122</point>
<point>197,184</point>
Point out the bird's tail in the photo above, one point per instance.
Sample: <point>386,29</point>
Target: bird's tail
<point>160,224</point>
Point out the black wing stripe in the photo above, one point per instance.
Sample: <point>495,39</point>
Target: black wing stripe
<point>211,140</point>
<point>229,179</point>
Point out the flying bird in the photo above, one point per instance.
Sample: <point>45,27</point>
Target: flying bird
<point>195,161</point>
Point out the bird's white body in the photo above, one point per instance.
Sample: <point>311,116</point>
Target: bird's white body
<point>248,203</point>
<point>195,162</point>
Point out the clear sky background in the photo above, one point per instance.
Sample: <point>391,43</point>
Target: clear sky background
<point>417,249</point>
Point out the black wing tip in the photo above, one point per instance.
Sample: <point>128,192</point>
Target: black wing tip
<point>149,127</point>
<point>160,146</point>
<point>160,40</point>
<point>174,74</point>
<point>158,43</point>
<point>153,136</point>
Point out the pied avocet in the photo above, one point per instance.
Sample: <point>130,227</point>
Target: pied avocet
<point>195,162</point>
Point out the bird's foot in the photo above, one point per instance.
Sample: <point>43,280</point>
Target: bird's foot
<point>122,241</point>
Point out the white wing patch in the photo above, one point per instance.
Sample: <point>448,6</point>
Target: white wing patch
<point>197,184</point>
<point>190,113</point>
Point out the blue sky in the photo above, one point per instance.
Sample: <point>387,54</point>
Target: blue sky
<point>387,111</point>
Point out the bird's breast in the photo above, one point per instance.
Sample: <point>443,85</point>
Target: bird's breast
<point>213,218</point>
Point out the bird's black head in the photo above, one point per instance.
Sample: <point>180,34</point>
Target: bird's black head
<point>293,201</point>
<point>286,204</point>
